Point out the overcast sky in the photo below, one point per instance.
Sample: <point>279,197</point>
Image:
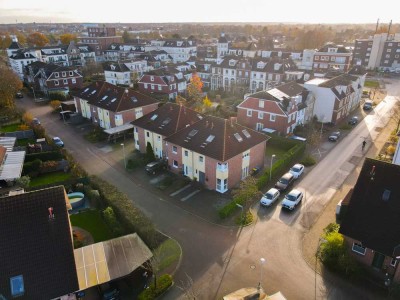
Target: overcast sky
<point>158,11</point>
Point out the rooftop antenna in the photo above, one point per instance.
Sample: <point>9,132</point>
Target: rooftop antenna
<point>377,24</point>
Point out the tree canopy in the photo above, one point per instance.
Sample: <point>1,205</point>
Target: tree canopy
<point>67,38</point>
<point>10,84</point>
<point>37,39</point>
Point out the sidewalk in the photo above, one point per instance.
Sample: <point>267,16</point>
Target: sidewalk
<point>310,239</point>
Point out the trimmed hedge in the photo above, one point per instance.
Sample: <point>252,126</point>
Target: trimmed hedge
<point>133,219</point>
<point>32,167</point>
<point>163,283</point>
<point>44,156</point>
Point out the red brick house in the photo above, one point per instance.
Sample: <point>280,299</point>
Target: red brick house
<point>332,56</point>
<point>159,82</point>
<point>217,152</point>
<point>166,120</point>
<point>281,108</point>
<point>111,106</point>
<point>371,223</point>
<point>51,78</point>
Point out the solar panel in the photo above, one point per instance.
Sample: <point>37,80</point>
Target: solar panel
<point>17,285</point>
<point>154,117</point>
<point>193,132</point>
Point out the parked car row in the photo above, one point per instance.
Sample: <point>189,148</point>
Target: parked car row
<point>293,198</point>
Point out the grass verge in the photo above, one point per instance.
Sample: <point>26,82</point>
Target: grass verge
<point>91,221</point>
<point>10,128</point>
<point>168,253</point>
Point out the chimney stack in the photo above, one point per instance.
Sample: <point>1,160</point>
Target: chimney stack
<point>51,214</point>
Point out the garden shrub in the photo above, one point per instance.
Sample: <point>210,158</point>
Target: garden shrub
<point>111,221</point>
<point>44,156</point>
<point>308,161</point>
<point>163,283</point>
<point>55,105</point>
<point>131,217</point>
<point>133,164</point>
<point>390,150</point>
<point>32,168</point>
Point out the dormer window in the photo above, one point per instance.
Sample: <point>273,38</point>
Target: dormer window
<point>64,74</point>
<point>112,67</point>
<point>151,78</point>
<point>56,75</point>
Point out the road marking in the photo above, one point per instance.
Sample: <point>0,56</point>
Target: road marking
<point>180,190</point>
<point>190,195</point>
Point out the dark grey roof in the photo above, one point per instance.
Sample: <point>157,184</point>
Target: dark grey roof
<point>229,138</point>
<point>21,54</point>
<point>344,79</point>
<point>357,70</point>
<point>168,119</point>
<point>370,218</point>
<point>113,98</point>
<point>15,45</point>
<point>341,49</point>
<point>115,67</point>
<point>291,88</point>
<point>35,246</point>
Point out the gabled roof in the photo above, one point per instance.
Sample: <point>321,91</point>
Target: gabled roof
<point>35,246</point>
<point>15,45</point>
<point>21,54</point>
<point>113,98</point>
<point>291,88</point>
<point>344,80</point>
<point>115,67</point>
<point>372,216</point>
<point>217,138</point>
<point>168,119</point>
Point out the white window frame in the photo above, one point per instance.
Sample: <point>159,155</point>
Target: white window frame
<point>359,245</point>
<point>260,104</point>
<point>249,113</point>
<point>73,80</point>
<point>175,164</point>
<point>201,158</point>
<point>272,117</point>
<point>145,85</point>
<point>71,73</point>
<point>174,149</point>
<point>65,81</point>
<point>260,115</point>
<point>393,262</point>
<point>56,82</point>
<point>186,153</point>
<point>56,75</point>
<point>151,78</point>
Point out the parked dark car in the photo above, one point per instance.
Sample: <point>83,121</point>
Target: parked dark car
<point>368,105</point>
<point>155,166</point>
<point>19,95</point>
<point>334,136</point>
<point>353,120</point>
<point>284,182</point>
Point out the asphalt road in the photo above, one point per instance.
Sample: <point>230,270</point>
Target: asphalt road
<point>221,260</point>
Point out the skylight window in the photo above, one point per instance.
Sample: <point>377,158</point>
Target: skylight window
<point>210,138</point>
<point>104,98</point>
<point>94,91</point>
<point>86,90</point>
<point>166,121</point>
<point>246,133</point>
<point>133,99</point>
<point>17,286</point>
<point>193,132</point>
<point>238,137</point>
<point>114,99</point>
<point>386,195</point>
<point>154,117</point>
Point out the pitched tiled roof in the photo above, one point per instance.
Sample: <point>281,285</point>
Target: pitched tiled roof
<point>344,79</point>
<point>115,67</point>
<point>168,119</point>
<point>20,54</point>
<point>113,98</point>
<point>217,138</point>
<point>372,216</point>
<point>36,247</point>
<point>291,88</point>
<point>341,49</point>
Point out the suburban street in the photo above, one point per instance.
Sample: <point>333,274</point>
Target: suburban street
<point>222,259</point>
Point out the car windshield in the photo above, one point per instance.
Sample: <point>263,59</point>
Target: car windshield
<point>295,169</point>
<point>291,197</point>
<point>283,180</point>
<point>268,196</point>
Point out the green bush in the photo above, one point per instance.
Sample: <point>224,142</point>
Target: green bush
<point>111,221</point>
<point>133,164</point>
<point>44,156</point>
<point>48,166</point>
<point>346,127</point>
<point>246,219</point>
<point>133,219</point>
<point>32,168</point>
<point>163,283</point>
<point>308,161</point>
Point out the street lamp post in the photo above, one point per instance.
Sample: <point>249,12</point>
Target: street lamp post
<point>270,169</point>
<point>34,96</point>
<point>241,216</point>
<point>320,241</point>
<point>123,150</point>
<point>262,262</point>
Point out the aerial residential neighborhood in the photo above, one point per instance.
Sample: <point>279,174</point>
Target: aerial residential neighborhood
<point>176,155</point>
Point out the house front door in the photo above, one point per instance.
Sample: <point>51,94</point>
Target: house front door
<point>378,260</point>
<point>202,177</point>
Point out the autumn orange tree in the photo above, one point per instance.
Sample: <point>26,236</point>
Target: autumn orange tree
<point>67,38</point>
<point>194,90</point>
<point>37,39</point>
<point>10,84</point>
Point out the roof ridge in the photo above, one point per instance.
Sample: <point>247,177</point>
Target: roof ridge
<point>224,141</point>
<point>179,118</point>
<point>121,99</point>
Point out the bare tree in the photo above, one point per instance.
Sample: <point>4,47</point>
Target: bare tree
<point>186,286</point>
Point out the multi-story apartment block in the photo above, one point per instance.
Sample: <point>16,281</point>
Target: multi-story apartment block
<point>380,51</point>
<point>180,50</point>
<point>332,57</point>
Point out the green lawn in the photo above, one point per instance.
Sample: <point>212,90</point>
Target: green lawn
<point>10,128</point>
<point>49,178</point>
<point>25,142</point>
<point>91,221</point>
<point>168,253</point>
<point>270,149</point>
<point>371,84</point>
